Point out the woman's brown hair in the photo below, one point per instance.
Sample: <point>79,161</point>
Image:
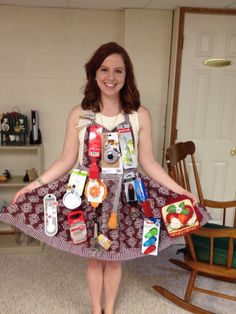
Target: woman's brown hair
<point>129,94</point>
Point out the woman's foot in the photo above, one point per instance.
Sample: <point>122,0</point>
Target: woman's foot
<point>108,311</point>
<point>98,312</point>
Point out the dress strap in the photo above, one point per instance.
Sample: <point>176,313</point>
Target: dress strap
<point>86,118</point>
<point>127,120</point>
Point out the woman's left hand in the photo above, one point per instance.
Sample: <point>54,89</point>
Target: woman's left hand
<point>191,196</point>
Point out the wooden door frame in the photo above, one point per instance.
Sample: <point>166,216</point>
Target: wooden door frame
<point>182,12</point>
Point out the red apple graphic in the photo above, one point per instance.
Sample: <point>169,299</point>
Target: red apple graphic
<point>172,219</point>
<point>180,216</point>
<point>185,218</point>
<point>189,209</point>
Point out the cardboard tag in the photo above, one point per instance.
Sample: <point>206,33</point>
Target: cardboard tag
<point>96,191</point>
<point>95,133</point>
<point>151,235</point>
<point>78,230</point>
<point>75,188</point>
<point>77,181</point>
<point>111,156</point>
<point>129,156</point>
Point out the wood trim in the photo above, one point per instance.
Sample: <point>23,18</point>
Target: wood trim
<point>173,134</point>
<point>208,11</point>
<point>183,11</point>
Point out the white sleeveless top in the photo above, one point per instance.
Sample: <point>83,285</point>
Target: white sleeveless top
<point>109,123</point>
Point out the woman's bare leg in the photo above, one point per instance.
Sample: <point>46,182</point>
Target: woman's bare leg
<point>112,277</point>
<point>95,283</point>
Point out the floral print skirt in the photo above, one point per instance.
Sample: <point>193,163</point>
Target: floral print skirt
<point>126,241</point>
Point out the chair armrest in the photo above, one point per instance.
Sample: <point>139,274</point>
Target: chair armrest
<point>216,204</point>
<point>205,232</point>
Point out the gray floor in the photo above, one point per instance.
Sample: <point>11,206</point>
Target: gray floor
<point>55,282</point>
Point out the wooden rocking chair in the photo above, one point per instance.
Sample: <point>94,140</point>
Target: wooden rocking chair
<point>211,250</point>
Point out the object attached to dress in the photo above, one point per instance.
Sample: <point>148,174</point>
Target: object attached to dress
<point>107,213</point>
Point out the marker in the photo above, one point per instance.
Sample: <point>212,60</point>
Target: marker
<point>150,249</point>
<point>151,233</point>
<point>150,241</point>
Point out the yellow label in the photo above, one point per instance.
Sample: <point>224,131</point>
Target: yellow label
<point>104,241</point>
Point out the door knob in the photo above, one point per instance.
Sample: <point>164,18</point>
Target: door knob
<point>233,151</point>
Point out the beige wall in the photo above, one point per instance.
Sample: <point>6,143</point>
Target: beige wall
<point>43,51</point>
<point>147,37</point>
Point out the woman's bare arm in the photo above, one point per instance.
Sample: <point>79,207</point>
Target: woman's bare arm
<point>67,158</point>
<point>146,157</point>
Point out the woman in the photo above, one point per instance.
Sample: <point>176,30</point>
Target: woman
<point>111,100</point>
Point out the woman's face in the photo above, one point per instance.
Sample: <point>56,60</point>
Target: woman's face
<point>110,76</point>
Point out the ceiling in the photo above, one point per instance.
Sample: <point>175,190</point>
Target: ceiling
<point>123,4</point>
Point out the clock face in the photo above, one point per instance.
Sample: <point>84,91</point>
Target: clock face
<point>5,127</point>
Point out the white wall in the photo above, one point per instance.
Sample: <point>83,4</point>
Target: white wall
<point>43,51</point>
<point>147,38</point>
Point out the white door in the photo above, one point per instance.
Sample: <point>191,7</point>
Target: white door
<point>207,102</point>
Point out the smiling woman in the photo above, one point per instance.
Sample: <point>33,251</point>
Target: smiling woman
<point>116,204</point>
<point>101,66</point>
<point>110,76</point>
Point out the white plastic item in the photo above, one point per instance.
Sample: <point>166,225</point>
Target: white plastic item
<point>50,214</point>
<point>71,200</point>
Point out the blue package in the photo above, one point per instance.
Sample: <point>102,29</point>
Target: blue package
<point>140,190</point>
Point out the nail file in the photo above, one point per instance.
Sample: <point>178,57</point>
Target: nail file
<point>50,214</point>
<point>94,241</point>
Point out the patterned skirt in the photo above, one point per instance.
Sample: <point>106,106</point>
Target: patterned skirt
<point>28,216</point>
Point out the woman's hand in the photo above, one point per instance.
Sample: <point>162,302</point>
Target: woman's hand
<point>191,196</point>
<point>29,188</point>
<point>20,193</point>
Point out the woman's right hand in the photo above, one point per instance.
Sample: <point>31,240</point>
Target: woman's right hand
<point>29,188</point>
<point>20,193</point>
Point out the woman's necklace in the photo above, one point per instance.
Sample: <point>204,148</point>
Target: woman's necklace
<point>113,122</point>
